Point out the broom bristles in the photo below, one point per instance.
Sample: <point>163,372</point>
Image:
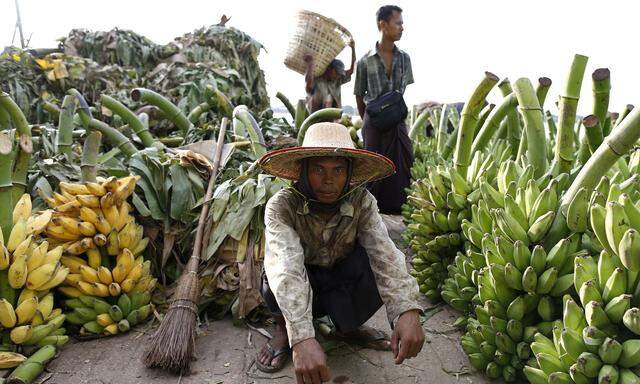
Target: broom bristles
<point>172,345</point>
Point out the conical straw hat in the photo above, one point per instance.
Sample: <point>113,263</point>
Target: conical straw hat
<point>327,139</point>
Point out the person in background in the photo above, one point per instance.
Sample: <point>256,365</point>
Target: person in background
<point>383,74</point>
<point>324,91</point>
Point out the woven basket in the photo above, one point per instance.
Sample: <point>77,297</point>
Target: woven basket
<point>318,35</point>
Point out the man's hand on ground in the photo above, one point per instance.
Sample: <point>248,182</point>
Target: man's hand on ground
<point>408,336</point>
<point>310,362</point>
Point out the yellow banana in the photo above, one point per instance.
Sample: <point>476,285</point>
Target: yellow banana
<point>94,258</point>
<point>73,263</point>
<point>37,319</point>
<point>107,200</point>
<point>37,257</point>
<point>141,246</point>
<point>110,184</point>
<point>74,189</point>
<point>111,329</point>
<point>5,258</point>
<point>96,189</point>
<point>59,199</point>
<point>89,201</point>
<point>72,279</point>
<point>100,290</point>
<point>68,207</point>
<point>123,214</point>
<point>80,246</point>
<point>22,209</point>
<point>26,310</point>
<point>115,289</point>
<point>69,224</point>
<point>87,228</point>
<point>72,292</point>
<point>37,224</point>
<point>18,235</point>
<point>18,273</point>
<point>119,273</point>
<point>102,225</point>
<point>38,277</point>
<point>45,305</point>
<point>100,240</point>
<point>26,294</point>
<point>104,275</point>
<point>113,245</point>
<point>89,274</point>
<point>55,313</point>
<point>11,360</point>
<point>88,214</point>
<point>128,285</point>
<point>135,274</point>
<point>54,255</point>
<point>104,319</point>
<point>59,276</point>
<point>7,314</point>
<point>126,187</point>
<point>23,249</point>
<point>60,233</point>
<point>126,236</point>
<point>111,214</point>
<point>20,334</point>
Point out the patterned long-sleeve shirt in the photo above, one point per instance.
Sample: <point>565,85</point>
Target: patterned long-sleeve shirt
<point>296,236</point>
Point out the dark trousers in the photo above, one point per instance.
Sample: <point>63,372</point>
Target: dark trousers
<point>395,144</point>
<point>346,292</point>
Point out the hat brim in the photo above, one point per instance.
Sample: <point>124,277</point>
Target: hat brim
<point>367,166</point>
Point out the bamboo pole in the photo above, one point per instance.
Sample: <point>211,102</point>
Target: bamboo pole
<point>172,112</point>
<point>593,131</point>
<point>64,138</point>
<point>601,88</point>
<point>90,152</point>
<point>468,122</point>
<point>617,144</point>
<point>131,119</point>
<point>492,123</point>
<point>287,104</point>
<point>31,368</point>
<point>533,125</point>
<point>565,143</point>
<point>514,129</point>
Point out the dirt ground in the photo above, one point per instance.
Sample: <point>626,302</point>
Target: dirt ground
<point>225,354</point>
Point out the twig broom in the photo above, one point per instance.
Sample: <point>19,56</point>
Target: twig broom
<point>173,343</point>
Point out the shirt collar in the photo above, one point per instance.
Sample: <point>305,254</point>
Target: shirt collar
<point>376,52</point>
<point>346,209</point>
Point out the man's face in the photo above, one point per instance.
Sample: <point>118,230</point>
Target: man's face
<point>328,176</point>
<point>392,28</point>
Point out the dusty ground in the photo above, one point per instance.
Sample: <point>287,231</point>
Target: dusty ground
<point>226,355</point>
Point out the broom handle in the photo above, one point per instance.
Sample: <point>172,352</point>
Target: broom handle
<point>204,213</point>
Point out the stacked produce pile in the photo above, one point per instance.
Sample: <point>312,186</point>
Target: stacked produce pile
<point>109,281</point>
<point>545,278</point>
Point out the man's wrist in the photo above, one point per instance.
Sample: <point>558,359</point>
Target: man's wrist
<point>299,342</point>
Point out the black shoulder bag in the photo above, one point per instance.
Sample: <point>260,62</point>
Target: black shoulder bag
<point>388,109</point>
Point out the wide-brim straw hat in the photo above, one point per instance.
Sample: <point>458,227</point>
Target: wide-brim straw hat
<point>329,140</point>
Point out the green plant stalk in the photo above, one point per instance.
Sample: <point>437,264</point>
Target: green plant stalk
<point>442,128</point>
<point>5,120</point>
<point>593,132</point>
<point>52,109</point>
<point>115,137</point>
<point>606,127</point>
<point>601,89</point>
<point>90,152</point>
<point>287,104</point>
<point>450,145</point>
<point>131,119</point>
<point>222,102</point>
<point>196,112</point>
<point>6,185</point>
<point>514,128</point>
<point>64,138</point>
<point>418,124</point>
<point>565,143</point>
<point>552,129</point>
<point>501,134</point>
<point>533,125</point>
<point>326,114</point>
<point>492,123</point>
<point>255,133</point>
<point>17,117</point>
<point>301,114</point>
<point>31,368</point>
<point>584,151</point>
<point>25,147</point>
<point>625,112</point>
<point>484,114</point>
<point>468,122</point>
<point>544,83</point>
<point>171,111</point>
<point>614,146</point>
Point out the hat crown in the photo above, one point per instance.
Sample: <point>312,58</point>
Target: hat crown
<point>328,135</point>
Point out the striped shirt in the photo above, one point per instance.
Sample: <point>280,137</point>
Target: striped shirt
<point>326,90</point>
<point>296,236</point>
<point>371,74</point>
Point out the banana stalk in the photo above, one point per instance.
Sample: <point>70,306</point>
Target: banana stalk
<point>287,104</point>
<point>593,131</point>
<point>255,133</point>
<point>441,134</point>
<point>419,124</point>
<point>565,144</point>
<point>64,138</point>
<point>492,123</point>
<point>533,125</point>
<point>513,122</point>
<point>31,368</point>
<point>172,112</point>
<point>90,152</point>
<point>6,165</point>
<point>468,122</point>
<point>541,94</point>
<point>115,137</point>
<point>627,109</point>
<point>196,112</point>
<point>5,120</point>
<point>551,126</point>
<point>52,109</point>
<point>326,114</point>
<point>301,114</point>
<point>23,152</point>
<point>131,119</point>
<point>601,88</point>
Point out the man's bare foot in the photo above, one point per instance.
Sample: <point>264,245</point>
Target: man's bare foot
<point>274,354</point>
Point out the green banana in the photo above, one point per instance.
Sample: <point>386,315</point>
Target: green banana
<point>577,211</point>
<point>629,250</point>
<point>616,224</point>
<point>540,227</point>
<point>630,356</point>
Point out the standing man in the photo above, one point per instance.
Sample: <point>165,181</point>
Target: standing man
<point>381,78</point>
<point>324,91</point>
